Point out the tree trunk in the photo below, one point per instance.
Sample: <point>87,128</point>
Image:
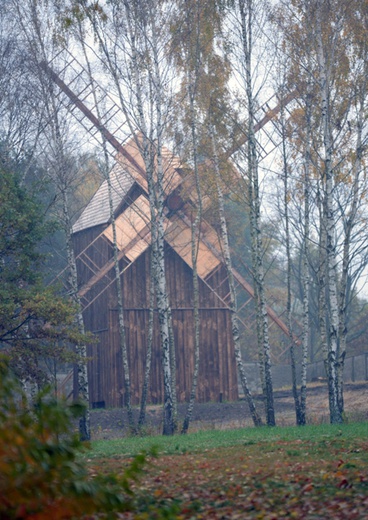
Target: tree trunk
<point>233,299</point>
<point>195,249</point>
<point>246,12</point>
<point>147,372</point>
<point>349,223</point>
<point>119,294</point>
<point>164,309</point>
<point>81,349</point>
<point>305,264</point>
<point>297,403</point>
<point>329,222</point>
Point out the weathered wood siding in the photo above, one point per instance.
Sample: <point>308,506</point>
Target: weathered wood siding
<point>217,378</point>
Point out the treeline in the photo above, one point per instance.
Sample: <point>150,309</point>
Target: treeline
<point>266,105</point>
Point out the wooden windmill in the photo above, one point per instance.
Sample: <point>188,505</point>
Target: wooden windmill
<point>93,242</point>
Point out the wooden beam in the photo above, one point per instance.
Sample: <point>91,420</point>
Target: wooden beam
<point>267,117</point>
<point>271,313</point>
<point>110,264</point>
<point>94,120</point>
<point>121,149</point>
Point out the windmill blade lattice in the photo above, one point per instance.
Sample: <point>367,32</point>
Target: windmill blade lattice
<point>83,104</point>
<point>80,88</point>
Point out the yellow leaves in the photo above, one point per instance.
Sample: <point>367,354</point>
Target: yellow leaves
<point>40,476</point>
<point>18,440</point>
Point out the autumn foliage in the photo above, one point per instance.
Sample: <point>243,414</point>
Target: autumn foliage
<point>42,475</point>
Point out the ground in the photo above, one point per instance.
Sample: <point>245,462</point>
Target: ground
<point>111,424</point>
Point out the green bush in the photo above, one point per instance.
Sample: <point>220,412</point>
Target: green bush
<point>41,476</point>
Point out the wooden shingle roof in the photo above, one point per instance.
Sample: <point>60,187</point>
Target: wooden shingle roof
<point>97,212</point>
<point>123,175</point>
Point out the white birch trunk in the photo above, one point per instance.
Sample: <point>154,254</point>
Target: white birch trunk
<point>305,265</point>
<point>288,269</point>
<point>147,372</point>
<point>233,298</point>
<point>329,220</point>
<point>349,224</point>
<point>195,249</point>
<point>246,12</point>
<point>193,391</point>
<point>164,310</point>
<point>159,278</point>
<point>119,294</point>
<point>81,349</point>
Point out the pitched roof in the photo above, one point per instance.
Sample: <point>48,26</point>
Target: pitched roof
<point>98,210</point>
<point>123,176</point>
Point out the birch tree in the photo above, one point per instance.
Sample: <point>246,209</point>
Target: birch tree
<point>187,51</point>
<point>286,173</point>
<point>34,19</point>
<point>107,176</point>
<point>131,38</point>
<point>295,127</point>
<point>233,298</point>
<point>201,56</point>
<point>327,58</point>
<point>244,20</point>
<point>351,209</point>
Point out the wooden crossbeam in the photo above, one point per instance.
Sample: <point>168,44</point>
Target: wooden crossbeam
<point>271,114</point>
<point>110,264</point>
<point>94,120</point>
<point>121,149</point>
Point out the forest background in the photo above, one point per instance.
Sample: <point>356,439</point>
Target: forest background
<point>197,77</point>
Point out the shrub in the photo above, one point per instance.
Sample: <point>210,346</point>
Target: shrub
<point>41,475</point>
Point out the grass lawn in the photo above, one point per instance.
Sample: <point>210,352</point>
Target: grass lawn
<point>315,472</point>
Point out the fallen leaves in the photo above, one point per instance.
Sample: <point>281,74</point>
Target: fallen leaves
<point>266,481</point>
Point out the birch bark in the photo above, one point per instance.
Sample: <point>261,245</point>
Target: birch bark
<point>30,22</point>
<point>164,310</point>
<point>350,222</point>
<point>305,264</point>
<point>246,9</point>
<point>233,299</point>
<point>147,372</point>
<point>329,225</point>
<point>119,293</point>
<point>194,248</point>
<point>286,218</point>
<point>81,349</point>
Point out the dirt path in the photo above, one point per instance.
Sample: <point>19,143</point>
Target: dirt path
<point>110,424</point>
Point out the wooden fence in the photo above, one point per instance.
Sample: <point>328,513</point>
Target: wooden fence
<point>356,369</point>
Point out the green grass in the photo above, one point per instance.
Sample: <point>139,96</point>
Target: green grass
<point>318,471</point>
<point>207,440</point>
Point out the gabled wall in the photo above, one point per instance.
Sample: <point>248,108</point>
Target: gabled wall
<point>217,380</point>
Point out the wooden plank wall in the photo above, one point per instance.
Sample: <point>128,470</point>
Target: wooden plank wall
<point>217,377</point>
